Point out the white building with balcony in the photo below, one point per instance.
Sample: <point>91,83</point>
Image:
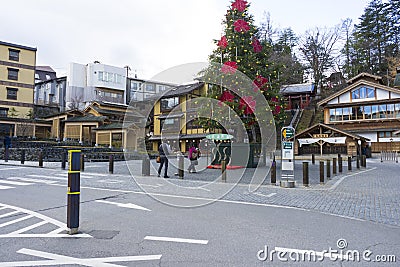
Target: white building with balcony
<point>94,82</point>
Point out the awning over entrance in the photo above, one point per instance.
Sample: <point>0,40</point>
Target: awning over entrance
<point>331,140</point>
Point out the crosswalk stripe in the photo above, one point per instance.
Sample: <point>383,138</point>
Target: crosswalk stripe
<point>13,182</point>
<point>32,180</point>
<point>5,187</point>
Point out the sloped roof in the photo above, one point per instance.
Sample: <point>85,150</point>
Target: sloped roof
<point>111,126</point>
<point>301,88</point>
<point>315,126</point>
<point>87,119</point>
<point>364,75</point>
<point>182,89</point>
<point>354,85</point>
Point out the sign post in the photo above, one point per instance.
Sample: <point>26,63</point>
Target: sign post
<point>287,156</point>
<point>74,173</point>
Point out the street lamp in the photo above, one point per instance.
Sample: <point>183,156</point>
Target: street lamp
<point>359,147</point>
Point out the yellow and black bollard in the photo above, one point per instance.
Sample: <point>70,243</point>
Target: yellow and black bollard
<point>73,193</point>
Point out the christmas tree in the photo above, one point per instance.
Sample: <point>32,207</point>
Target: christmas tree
<point>240,51</point>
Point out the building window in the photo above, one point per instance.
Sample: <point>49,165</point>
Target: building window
<point>13,54</point>
<point>3,112</point>
<point>150,87</point>
<point>384,134</point>
<point>169,103</point>
<point>367,112</point>
<point>390,111</point>
<point>12,93</point>
<point>346,114</point>
<point>375,113</point>
<point>332,114</point>
<point>13,74</point>
<point>382,111</point>
<point>397,110</point>
<point>362,93</point>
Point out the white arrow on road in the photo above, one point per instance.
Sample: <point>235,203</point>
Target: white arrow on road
<point>124,205</point>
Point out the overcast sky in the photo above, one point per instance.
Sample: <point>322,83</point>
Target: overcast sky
<point>149,35</point>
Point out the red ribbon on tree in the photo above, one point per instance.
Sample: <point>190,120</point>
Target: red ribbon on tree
<point>248,103</point>
<point>226,97</point>
<point>229,67</point>
<point>277,110</point>
<point>223,43</point>
<point>239,5</point>
<point>241,25</point>
<point>259,83</point>
<point>257,47</point>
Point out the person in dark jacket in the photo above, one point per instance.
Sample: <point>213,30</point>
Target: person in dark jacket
<point>164,150</point>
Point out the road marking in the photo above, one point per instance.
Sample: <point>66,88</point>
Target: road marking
<point>5,187</point>
<point>32,180</point>
<point>123,205</point>
<point>269,195</point>
<point>14,168</point>
<point>47,177</point>
<point>30,227</point>
<point>333,187</point>
<point>8,214</point>
<point>179,240</point>
<point>110,181</point>
<point>150,185</point>
<point>61,226</point>
<point>56,259</point>
<point>16,220</point>
<point>13,182</point>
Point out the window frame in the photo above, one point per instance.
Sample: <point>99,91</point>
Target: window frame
<point>13,57</point>
<point>12,77</point>
<point>13,96</point>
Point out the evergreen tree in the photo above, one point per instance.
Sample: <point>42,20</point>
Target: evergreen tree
<point>240,48</point>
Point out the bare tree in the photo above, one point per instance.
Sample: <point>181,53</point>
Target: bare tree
<point>318,50</point>
<point>75,102</point>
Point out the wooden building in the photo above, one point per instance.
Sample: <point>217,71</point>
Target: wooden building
<point>324,139</point>
<point>367,108</point>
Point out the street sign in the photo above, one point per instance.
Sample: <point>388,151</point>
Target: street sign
<point>287,133</point>
<point>287,145</point>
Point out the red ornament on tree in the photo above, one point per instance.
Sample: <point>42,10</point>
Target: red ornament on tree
<point>229,67</point>
<point>257,47</point>
<point>274,99</point>
<point>239,5</point>
<point>223,43</point>
<point>248,103</point>
<point>241,25</point>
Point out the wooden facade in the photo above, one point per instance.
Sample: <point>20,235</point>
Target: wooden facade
<point>366,108</point>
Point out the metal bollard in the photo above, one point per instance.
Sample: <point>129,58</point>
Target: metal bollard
<point>321,172</point>
<point>349,164</point>
<point>223,170</point>
<point>146,166</point>
<point>397,158</point>
<point>181,167</point>
<point>6,154</point>
<point>305,174</point>
<point>63,159</point>
<point>358,162</point>
<point>340,164</point>
<point>328,169</point>
<point>82,162</point>
<point>111,164</point>
<point>313,159</point>
<point>364,161</point>
<point>23,157</point>
<point>273,173</point>
<point>334,166</point>
<point>40,159</point>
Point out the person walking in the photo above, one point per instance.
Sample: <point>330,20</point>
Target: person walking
<point>193,157</point>
<point>164,150</point>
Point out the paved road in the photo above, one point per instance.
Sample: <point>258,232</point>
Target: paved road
<point>141,221</point>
